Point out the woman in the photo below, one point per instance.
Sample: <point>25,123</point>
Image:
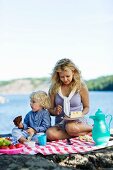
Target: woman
<point>68,93</point>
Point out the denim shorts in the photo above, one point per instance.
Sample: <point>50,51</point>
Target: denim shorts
<point>18,133</point>
<point>62,124</point>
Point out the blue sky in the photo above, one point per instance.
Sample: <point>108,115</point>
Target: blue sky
<point>34,34</point>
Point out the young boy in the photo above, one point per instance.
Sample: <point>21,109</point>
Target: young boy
<point>37,120</point>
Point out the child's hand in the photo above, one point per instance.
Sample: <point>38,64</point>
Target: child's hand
<point>58,110</point>
<point>31,131</point>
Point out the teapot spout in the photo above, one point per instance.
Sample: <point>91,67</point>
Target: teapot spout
<point>92,117</point>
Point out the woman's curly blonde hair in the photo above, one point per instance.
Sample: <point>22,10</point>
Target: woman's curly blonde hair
<point>42,98</point>
<point>62,65</point>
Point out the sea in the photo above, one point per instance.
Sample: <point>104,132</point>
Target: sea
<point>16,105</point>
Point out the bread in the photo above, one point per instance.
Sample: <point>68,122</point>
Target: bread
<point>75,114</point>
<point>17,120</point>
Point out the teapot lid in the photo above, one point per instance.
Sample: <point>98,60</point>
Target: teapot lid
<point>99,113</point>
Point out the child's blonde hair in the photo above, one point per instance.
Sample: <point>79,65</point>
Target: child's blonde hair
<point>42,98</point>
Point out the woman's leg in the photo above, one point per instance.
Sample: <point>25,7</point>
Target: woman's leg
<point>77,128</point>
<point>56,133</point>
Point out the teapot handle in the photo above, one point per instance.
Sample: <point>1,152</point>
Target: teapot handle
<point>110,119</point>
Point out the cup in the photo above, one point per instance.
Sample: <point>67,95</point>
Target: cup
<point>42,139</point>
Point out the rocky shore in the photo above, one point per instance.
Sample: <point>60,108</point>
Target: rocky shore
<point>94,160</point>
<point>24,86</point>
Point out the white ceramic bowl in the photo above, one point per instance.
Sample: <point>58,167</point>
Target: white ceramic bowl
<point>30,144</point>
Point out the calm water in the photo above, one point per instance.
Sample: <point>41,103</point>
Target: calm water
<point>19,105</point>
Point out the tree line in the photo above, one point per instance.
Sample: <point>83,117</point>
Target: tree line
<point>104,83</point>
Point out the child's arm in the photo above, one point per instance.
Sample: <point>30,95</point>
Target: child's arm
<point>44,124</point>
<point>26,121</point>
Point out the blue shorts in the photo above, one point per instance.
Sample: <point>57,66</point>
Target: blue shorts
<point>18,133</point>
<point>63,122</point>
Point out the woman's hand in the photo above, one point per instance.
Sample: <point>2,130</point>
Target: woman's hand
<point>58,110</point>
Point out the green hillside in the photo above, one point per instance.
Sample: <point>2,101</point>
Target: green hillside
<point>104,83</point>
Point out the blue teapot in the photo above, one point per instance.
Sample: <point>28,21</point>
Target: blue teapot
<point>101,131</point>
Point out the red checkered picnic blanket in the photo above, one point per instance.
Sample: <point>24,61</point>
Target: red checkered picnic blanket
<point>61,147</point>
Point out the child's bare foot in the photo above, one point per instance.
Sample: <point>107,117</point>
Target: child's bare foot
<point>22,140</point>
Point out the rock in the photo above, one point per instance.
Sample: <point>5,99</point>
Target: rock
<point>94,160</point>
<point>101,159</point>
<point>27,162</point>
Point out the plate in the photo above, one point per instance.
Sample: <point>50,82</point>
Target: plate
<point>68,118</point>
<point>12,151</point>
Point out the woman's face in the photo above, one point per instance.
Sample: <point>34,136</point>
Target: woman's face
<point>66,76</point>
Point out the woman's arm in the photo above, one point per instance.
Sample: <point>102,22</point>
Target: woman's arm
<point>84,98</point>
<point>54,111</point>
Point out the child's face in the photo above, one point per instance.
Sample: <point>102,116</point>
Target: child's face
<point>35,106</point>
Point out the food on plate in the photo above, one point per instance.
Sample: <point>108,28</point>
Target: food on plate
<point>18,145</point>
<point>75,114</point>
<point>17,120</point>
<point>12,146</point>
<point>86,138</point>
<point>4,147</point>
<point>7,147</point>
<point>4,142</point>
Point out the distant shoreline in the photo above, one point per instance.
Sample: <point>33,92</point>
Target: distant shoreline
<point>26,86</point>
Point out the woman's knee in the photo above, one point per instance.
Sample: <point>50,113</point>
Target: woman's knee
<point>72,128</point>
<point>50,133</point>
<point>53,133</point>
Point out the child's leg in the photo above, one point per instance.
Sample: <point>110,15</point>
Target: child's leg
<point>22,139</point>
<point>19,135</point>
